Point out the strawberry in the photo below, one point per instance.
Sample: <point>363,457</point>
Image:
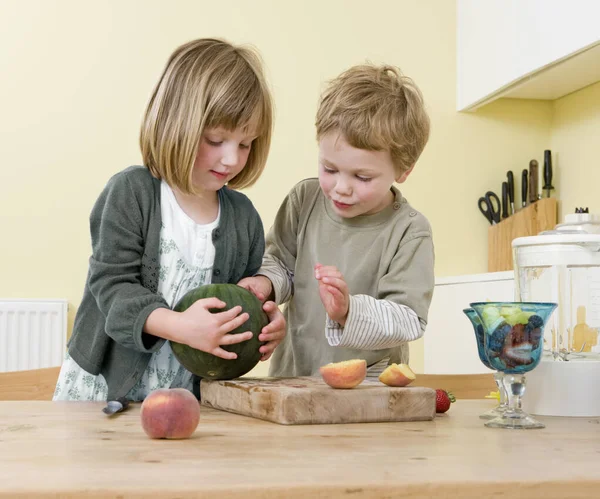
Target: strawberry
<point>443,399</point>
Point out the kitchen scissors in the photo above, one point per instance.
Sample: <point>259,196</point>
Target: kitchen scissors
<point>490,205</point>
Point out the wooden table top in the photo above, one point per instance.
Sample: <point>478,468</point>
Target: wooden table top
<point>72,450</point>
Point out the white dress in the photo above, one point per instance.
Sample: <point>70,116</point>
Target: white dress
<point>187,255</point>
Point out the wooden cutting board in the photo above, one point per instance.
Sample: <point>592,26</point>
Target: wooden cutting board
<point>308,400</point>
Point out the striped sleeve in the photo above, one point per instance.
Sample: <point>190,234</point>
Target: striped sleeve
<point>280,276</point>
<point>374,325</point>
<point>279,261</point>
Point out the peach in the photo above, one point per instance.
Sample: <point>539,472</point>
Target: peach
<point>345,374</point>
<point>170,413</point>
<point>397,375</point>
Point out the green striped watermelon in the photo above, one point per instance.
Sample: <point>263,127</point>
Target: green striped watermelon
<point>207,365</point>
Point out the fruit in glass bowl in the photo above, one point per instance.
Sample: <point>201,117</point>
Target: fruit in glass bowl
<point>513,337</point>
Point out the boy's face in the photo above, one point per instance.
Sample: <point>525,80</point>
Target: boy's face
<point>355,181</point>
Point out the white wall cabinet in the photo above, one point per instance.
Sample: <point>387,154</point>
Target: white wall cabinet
<point>531,49</point>
<point>449,341</point>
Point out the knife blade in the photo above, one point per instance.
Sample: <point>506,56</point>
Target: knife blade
<point>524,187</point>
<point>504,199</point>
<point>511,190</point>
<point>114,406</point>
<point>548,172</point>
<point>533,181</point>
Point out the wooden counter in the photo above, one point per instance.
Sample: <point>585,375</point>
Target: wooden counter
<point>72,450</point>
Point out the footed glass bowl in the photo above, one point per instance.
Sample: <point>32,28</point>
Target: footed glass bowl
<point>513,345</point>
<point>479,332</point>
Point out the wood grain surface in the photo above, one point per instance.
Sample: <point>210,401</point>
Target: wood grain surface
<point>34,384</point>
<point>529,221</point>
<point>71,450</point>
<point>308,400</point>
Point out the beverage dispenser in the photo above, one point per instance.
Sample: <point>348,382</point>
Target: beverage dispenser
<point>563,266</point>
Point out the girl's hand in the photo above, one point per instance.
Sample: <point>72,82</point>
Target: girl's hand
<point>333,291</point>
<point>207,331</point>
<point>274,332</point>
<point>260,286</point>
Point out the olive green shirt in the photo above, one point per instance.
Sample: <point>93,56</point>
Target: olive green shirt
<point>387,260</point>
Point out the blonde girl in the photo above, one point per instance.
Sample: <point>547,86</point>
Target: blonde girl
<point>175,223</point>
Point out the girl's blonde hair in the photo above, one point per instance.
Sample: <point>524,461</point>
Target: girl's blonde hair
<point>376,108</point>
<point>207,83</point>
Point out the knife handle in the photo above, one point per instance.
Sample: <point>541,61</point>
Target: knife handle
<point>504,199</point>
<point>524,187</point>
<point>548,171</point>
<point>511,190</point>
<point>533,181</point>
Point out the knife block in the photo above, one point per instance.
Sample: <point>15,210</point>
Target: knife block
<point>529,221</point>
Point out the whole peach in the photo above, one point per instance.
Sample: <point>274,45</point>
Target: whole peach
<point>345,374</point>
<point>170,413</point>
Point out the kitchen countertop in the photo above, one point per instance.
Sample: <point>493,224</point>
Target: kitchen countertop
<point>72,450</point>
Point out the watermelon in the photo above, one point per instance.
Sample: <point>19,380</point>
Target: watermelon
<point>207,365</point>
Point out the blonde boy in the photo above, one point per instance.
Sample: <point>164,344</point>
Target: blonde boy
<point>350,258</point>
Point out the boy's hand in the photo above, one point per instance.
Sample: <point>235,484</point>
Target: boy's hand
<point>274,332</point>
<point>334,292</point>
<point>259,285</point>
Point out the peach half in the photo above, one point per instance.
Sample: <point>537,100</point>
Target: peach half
<point>397,375</point>
<point>170,413</point>
<point>345,374</point>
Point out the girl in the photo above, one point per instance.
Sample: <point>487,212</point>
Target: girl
<point>161,229</point>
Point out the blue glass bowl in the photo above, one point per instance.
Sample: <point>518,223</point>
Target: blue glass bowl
<point>479,335</point>
<point>513,333</point>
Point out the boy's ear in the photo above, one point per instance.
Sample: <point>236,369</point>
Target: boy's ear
<point>404,176</point>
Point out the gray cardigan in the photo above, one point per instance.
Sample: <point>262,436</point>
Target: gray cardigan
<point>122,281</point>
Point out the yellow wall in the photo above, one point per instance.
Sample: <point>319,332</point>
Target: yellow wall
<point>576,147</point>
<point>76,77</point>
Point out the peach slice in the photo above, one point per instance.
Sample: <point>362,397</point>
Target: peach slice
<point>345,374</point>
<point>397,375</point>
<point>170,413</point>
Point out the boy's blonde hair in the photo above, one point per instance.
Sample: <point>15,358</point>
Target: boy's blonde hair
<point>206,83</point>
<point>376,108</point>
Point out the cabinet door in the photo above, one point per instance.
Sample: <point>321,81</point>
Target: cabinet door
<point>501,43</point>
<point>449,341</point>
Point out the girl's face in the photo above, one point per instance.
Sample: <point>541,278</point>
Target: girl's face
<point>222,154</point>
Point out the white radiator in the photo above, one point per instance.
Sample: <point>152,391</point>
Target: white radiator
<point>33,334</point>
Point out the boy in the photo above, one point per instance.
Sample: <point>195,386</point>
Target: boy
<point>352,260</point>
